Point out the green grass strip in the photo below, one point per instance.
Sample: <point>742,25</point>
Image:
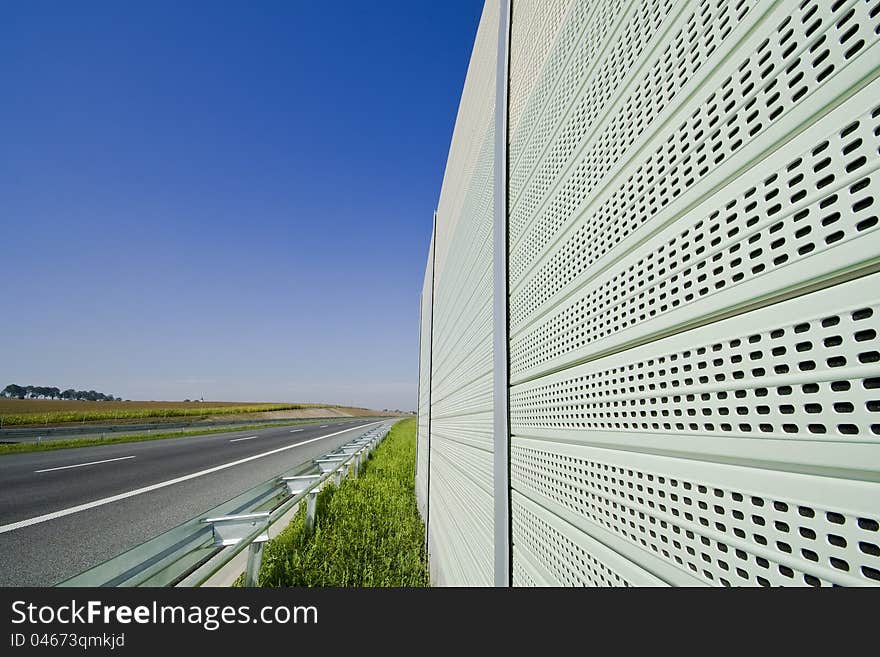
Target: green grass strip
<point>368,530</point>
<point>48,445</point>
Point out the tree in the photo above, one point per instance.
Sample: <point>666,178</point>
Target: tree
<point>53,392</point>
<point>13,391</point>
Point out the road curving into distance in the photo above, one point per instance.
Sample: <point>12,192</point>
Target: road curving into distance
<point>64,511</point>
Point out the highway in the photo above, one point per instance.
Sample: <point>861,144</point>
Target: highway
<point>64,511</point>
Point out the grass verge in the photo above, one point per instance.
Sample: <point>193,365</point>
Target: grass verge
<point>368,530</point>
<point>48,445</point>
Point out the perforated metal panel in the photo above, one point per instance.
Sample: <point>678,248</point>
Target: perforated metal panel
<point>550,552</point>
<point>694,297</point>
<point>722,403</point>
<point>693,313</point>
<point>460,540</point>
<point>800,370</point>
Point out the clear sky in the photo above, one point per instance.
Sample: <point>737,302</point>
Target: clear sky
<point>228,200</point>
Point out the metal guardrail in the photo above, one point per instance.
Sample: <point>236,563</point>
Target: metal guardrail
<point>17,435</point>
<point>191,553</point>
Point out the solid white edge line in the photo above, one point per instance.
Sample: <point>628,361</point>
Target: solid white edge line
<point>235,440</point>
<point>80,465</point>
<point>162,484</point>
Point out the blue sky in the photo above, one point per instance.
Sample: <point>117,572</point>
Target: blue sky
<point>223,199</point>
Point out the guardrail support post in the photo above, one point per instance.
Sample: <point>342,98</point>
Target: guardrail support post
<point>255,558</point>
<point>311,509</point>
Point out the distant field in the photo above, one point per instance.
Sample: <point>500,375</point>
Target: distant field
<point>50,411</point>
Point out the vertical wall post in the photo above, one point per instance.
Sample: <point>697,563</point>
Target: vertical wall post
<point>501,364</point>
<point>419,390</point>
<point>430,383</point>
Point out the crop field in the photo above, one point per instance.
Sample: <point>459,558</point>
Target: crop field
<point>368,532</point>
<point>22,412</point>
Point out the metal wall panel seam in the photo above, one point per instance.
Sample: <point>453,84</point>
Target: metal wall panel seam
<point>501,479</point>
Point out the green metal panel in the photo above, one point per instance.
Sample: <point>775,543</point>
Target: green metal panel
<point>693,297</point>
<point>692,305</point>
<point>460,538</point>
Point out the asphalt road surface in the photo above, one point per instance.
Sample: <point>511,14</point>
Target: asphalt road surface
<point>64,511</point>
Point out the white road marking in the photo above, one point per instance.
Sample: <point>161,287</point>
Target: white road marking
<point>147,489</point>
<point>295,430</point>
<point>323,426</point>
<point>235,440</point>
<point>80,465</point>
